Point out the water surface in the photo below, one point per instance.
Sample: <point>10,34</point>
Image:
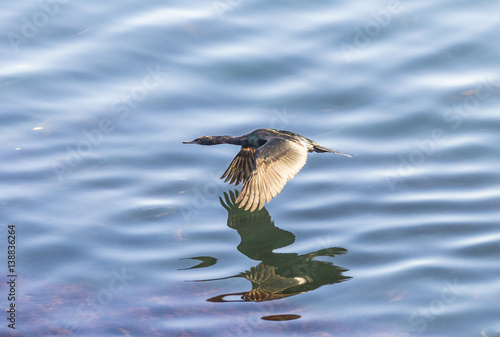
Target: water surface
<point>123,231</point>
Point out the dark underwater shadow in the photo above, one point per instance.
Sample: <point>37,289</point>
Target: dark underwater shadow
<point>278,275</point>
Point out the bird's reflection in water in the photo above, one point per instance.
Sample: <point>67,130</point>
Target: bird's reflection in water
<point>278,275</point>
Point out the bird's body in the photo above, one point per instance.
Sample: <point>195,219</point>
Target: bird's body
<point>267,160</point>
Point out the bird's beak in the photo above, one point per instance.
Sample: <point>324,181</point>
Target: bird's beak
<point>189,142</point>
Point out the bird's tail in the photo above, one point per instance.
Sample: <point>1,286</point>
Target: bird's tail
<point>320,149</point>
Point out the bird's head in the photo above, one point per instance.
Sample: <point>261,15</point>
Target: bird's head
<point>205,140</point>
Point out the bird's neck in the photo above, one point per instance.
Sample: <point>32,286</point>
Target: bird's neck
<point>225,140</point>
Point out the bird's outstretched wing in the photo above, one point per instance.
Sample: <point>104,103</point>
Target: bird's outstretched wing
<point>276,162</point>
<point>241,167</point>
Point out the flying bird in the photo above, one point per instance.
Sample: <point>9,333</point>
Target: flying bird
<point>267,160</point>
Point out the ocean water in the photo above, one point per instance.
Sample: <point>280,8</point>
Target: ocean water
<point>121,230</point>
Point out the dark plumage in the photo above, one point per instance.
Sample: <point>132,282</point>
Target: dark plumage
<point>267,160</point>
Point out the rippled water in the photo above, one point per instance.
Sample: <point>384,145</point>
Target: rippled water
<point>123,231</point>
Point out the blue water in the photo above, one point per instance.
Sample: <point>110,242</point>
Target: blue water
<point>115,219</point>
